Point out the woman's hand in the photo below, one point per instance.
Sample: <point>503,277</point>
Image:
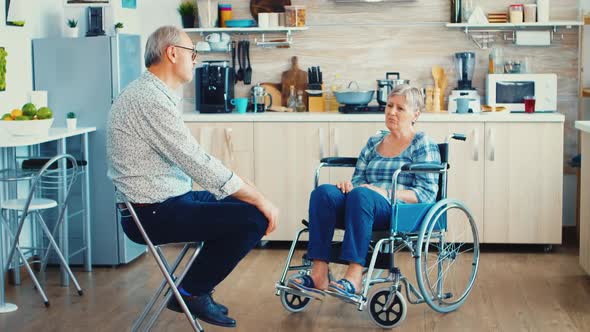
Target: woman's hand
<point>377,189</point>
<point>345,186</point>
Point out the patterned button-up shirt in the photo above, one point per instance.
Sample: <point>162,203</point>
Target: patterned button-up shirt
<point>152,155</point>
<point>372,168</point>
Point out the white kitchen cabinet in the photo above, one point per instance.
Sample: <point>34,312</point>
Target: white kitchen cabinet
<point>523,182</point>
<point>230,142</point>
<point>285,157</point>
<point>466,172</point>
<point>347,140</point>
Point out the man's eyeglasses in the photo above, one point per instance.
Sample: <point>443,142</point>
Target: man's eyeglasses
<point>193,56</point>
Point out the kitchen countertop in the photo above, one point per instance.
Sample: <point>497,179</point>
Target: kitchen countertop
<point>339,117</point>
<point>9,141</point>
<point>583,126</point>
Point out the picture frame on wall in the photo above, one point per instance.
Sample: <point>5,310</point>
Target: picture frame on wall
<point>87,2</point>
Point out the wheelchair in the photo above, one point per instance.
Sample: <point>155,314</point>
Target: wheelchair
<point>445,252</point>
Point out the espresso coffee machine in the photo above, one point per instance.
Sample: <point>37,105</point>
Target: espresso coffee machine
<point>214,87</point>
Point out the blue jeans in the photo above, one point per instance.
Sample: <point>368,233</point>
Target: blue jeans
<point>229,227</point>
<point>358,212</point>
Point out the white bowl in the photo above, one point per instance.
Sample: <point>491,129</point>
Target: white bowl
<point>219,46</point>
<point>26,127</point>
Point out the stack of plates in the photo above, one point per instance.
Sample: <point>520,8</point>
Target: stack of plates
<point>498,17</point>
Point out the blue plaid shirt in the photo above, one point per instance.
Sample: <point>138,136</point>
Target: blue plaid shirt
<point>372,168</point>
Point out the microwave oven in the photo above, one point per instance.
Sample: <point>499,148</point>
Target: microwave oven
<point>509,90</point>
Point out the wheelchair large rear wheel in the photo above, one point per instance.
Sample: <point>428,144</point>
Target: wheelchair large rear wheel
<point>391,316</point>
<point>447,255</point>
<point>293,302</point>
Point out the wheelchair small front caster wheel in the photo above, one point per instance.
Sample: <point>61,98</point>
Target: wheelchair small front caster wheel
<point>383,317</point>
<point>294,303</point>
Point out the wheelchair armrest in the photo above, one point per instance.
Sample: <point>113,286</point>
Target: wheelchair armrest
<point>424,167</point>
<point>339,161</point>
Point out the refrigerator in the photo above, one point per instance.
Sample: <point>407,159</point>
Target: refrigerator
<point>85,75</point>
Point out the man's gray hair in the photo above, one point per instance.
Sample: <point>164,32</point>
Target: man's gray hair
<point>414,97</point>
<point>157,43</point>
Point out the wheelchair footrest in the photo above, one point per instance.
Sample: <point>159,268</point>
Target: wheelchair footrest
<point>382,262</point>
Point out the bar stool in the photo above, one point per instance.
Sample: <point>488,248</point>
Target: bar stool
<point>55,175</point>
<point>170,283</point>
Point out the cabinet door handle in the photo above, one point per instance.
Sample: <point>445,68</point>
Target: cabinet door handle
<point>229,143</point>
<point>492,146</point>
<point>475,145</point>
<point>335,142</point>
<point>321,145</point>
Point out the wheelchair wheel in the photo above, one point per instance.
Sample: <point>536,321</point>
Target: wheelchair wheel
<point>293,302</point>
<point>447,255</point>
<point>387,317</point>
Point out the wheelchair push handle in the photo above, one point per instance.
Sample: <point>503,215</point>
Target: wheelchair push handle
<point>459,137</point>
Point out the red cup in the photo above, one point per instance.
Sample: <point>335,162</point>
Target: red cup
<point>529,104</point>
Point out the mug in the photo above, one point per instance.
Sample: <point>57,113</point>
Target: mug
<point>202,46</point>
<point>463,104</point>
<point>241,104</point>
<point>263,20</point>
<point>273,20</point>
<point>213,38</point>
<point>224,37</point>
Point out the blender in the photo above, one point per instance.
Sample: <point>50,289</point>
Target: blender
<point>464,98</point>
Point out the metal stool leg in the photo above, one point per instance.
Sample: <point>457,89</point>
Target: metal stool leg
<point>194,322</point>
<point>155,297</point>
<point>60,255</point>
<point>168,295</point>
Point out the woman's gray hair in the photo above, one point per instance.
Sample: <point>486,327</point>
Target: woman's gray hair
<point>157,43</point>
<point>414,96</point>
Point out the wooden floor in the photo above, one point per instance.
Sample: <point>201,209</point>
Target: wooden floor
<point>516,290</point>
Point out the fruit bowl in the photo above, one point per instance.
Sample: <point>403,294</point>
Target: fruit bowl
<point>26,127</point>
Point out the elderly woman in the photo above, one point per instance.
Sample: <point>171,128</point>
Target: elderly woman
<point>363,204</point>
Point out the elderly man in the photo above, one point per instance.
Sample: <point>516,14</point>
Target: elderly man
<point>152,159</point>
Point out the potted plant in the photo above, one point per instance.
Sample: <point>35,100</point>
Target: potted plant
<point>118,27</point>
<point>71,120</point>
<point>187,10</point>
<point>72,30</point>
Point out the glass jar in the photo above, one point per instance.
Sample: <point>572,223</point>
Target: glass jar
<point>300,105</point>
<point>295,16</point>
<point>292,101</point>
<point>516,13</point>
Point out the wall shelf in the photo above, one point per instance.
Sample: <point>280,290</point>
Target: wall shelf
<point>263,42</point>
<point>483,35</point>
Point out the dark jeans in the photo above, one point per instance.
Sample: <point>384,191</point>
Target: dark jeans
<point>357,212</point>
<point>230,228</point>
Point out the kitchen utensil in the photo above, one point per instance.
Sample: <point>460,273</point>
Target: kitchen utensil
<point>233,60</point>
<point>240,23</point>
<point>437,72</point>
<point>384,87</point>
<point>268,6</point>
<point>354,97</point>
<point>274,90</point>
<point>295,77</point>
<point>240,72</point>
<point>248,70</point>
<point>259,97</point>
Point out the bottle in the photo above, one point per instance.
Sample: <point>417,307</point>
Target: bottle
<point>492,62</point>
<point>300,105</point>
<point>292,101</point>
<point>455,11</point>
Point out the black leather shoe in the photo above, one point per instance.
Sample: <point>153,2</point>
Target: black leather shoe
<point>174,306</point>
<point>203,308</point>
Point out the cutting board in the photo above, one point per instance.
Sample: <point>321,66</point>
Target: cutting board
<point>296,77</point>
<point>273,89</point>
<point>267,6</point>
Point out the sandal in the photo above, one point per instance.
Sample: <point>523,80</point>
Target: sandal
<point>306,285</point>
<point>346,293</point>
